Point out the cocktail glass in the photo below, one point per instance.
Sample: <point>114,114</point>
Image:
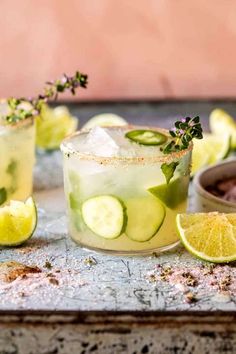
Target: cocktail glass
<point>117,196</point>
<point>17,157</point>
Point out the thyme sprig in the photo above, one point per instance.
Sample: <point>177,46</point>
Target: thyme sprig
<point>183,133</point>
<point>23,108</point>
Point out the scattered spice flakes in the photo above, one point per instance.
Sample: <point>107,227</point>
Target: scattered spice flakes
<point>11,270</point>
<point>208,280</point>
<point>34,245</point>
<point>152,278</point>
<point>165,273</point>
<point>90,261</point>
<point>41,286</point>
<point>190,297</point>
<point>225,283</point>
<point>190,280</point>
<point>53,281</point>
<point>208,270</point>
<point>48,265</point>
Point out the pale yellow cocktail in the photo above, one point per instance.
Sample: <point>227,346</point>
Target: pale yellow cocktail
<point>117,195</point>
<point>17,157</point>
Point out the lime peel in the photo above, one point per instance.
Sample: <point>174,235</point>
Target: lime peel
<point>210,150</point>
<point>220,121</point>
<point>18,221</point>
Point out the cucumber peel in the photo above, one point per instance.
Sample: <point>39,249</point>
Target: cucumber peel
<point>145,217</point>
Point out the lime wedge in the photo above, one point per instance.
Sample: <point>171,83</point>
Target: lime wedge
<point>104,120</point>
<point>171,194</point>
<point>18,221</point>
<point>209,236</point>
<point>221,122</point>
<point>53,126</point>
<point>209,150</point>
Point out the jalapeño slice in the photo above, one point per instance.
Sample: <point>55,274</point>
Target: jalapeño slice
<point>146,137</point>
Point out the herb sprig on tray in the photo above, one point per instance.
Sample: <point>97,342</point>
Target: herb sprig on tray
<point>183,133</point>
<point>23,108</point>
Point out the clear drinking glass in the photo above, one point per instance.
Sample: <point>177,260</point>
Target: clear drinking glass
<point>137,182</point>
<point>17,157</point>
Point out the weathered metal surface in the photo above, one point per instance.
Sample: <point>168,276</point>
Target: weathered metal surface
<point>129,297</point>
<point>162,338</point>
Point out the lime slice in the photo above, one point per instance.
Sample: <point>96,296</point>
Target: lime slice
<point>221,122</point>
<point>105,215</point>
<point>145,217</point>
<point>53,126</point>
<point>209,150</point>
<point>18,221</point>
<point>173,193</point>
<point>209,236</point>
<point>104,120</point>
<point>146,137</point>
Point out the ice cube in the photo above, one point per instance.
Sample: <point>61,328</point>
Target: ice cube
<point>100,143</point>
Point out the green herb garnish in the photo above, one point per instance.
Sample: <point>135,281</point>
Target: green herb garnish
<point>183,133</point>
<point>169,170</point>
<point>23,108</point>
<point>3,195</point>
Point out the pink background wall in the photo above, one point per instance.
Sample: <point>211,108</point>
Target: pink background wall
<point>129,48</point>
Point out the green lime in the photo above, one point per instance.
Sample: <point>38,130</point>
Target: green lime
<point>221,122</point>
<point>104,120</point>
<point>209,150</point>
<point>53,126</point>
<point>209,236</point>
<point>18,221</point>
<point>173,193</point>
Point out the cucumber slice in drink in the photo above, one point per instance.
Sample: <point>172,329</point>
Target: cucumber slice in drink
<point>171,194</point>
<point>105,215</point>
<point>145,217</point>
<point>146,137</point>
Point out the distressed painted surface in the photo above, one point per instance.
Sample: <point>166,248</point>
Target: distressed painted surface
<point>118,339</point>
<point>130,49</point>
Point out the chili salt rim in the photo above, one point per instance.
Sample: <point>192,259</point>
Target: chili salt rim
<point>118,159</point>
<point>20,124</point>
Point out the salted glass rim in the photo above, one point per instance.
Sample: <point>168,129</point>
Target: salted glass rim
<point>66,149</point>
<point>6,126</point>
<point>12,126</point>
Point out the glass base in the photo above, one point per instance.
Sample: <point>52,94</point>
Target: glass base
<point>147,252</point>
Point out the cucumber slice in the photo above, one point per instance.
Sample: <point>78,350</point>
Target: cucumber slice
<point>145,217</point>
<point>105,215</point>
<point>146,137</point>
